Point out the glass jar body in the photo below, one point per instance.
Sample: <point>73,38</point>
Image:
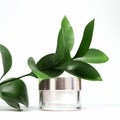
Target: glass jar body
<point>60,100</point>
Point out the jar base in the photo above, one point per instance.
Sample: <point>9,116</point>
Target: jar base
<point>56,108</point>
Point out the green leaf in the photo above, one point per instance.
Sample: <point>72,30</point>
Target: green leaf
<point>46,62</point>
<point>47,66</point>
<point>65,42</point>
<point>6,59</point>
<point>86,40</point>
<point>68,33</point>
<point>35,70</point>
<point>93,56</point>
<point>13,91</point>
<point>82,70</point>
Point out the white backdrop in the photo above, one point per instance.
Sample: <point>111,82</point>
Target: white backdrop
<point>30,28</point>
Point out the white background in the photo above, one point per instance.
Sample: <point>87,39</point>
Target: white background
<point>30,28</point>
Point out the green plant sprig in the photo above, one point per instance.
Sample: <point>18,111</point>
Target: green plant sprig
<point>52,65</point>
<point>14,91</point>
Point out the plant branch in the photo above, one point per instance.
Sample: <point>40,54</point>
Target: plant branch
<point>24,76</point>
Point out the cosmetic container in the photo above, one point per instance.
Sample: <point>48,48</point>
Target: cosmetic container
<point>61,93</point>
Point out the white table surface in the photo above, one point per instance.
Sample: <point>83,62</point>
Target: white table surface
<point>88,112</point>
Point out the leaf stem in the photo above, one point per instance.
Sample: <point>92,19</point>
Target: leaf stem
<point>23,76</point>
